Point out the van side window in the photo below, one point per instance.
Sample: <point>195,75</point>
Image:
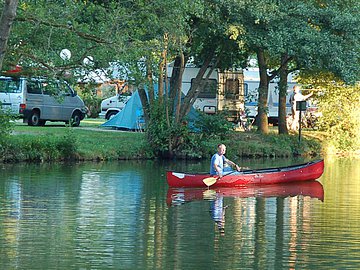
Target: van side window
<point>64,89</point>
<point>33,87</point>
<point>49,88</point>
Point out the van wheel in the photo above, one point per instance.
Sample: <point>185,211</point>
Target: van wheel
<point>110,115</point>
<point>34,119</point>
<point>75,119</point>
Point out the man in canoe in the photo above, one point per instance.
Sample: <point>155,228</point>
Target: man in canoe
<point>218,161</point>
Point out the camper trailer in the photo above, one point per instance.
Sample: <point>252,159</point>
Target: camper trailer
<point>235,91</point>
<point>223,91</point>
<point>251,86</point>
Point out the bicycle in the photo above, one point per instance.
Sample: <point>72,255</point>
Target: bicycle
<point>246,122</point>
<point>308,120</point>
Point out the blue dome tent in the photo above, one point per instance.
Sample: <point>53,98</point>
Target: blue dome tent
<point>131,117</point>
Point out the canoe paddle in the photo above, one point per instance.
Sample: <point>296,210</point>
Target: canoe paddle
<point>209,181</point>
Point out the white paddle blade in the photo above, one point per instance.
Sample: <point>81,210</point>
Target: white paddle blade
<point>209,181</point>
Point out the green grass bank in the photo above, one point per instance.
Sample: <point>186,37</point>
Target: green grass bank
<point>56,142</point>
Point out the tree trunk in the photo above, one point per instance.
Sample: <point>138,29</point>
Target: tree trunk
<point>175,77</point>
<point>144,103</point>
<point>175,84</point>
<point>149,76</point>
<point>195,88</point>
<point>7,17</point>
<point>174,104</point>
<point>161,78</point>
<point>282,128</point>
<point>262,118</point>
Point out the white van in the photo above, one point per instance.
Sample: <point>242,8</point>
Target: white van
<point>112,105</point>
<point>39,100</point>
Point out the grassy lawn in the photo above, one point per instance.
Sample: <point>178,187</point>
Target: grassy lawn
<point>87,122</point>
<point>92,142</point>
<point>56,141</point>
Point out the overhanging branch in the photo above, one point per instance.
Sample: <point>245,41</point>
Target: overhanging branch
<point>64,26</point>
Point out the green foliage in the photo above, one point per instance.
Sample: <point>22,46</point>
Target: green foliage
<point>308,36</point>
<point>157,131</point>
<point>315,36</point>
<point>257,145</point>
<point>91,100</point>
<point>338,104</point>
<point>68,144</point>
<point>6,125</point>
<point>214,129</point>
<point>60,143</point>
<point>40,148</point>
<point>214,125</point>
<point>341,117</point>
<point>168,140</point>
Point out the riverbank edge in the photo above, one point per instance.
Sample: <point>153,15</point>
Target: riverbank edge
<point>79,146</point>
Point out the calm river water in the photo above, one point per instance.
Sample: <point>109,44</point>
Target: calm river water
<point>122,215</point>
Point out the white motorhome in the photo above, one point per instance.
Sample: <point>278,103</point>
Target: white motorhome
<point>236,91</point>
<point>251,85</point>
<point>38,100</point>
<point>233,91</point>
<point>224,91</point>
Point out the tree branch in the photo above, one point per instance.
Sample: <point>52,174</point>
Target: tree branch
<point>64,26</point>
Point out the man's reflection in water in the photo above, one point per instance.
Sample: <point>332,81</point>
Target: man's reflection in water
<point>217,212</point>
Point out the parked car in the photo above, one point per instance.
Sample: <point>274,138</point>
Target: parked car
<point>38,100</point>
<point>112,105</point>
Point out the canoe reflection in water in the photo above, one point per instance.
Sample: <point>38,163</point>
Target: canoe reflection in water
<point>179,196</point>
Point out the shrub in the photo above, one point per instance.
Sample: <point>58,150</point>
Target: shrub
<point>91,100</point>
<point>214,125</point>
<point>40,148</point>
<point>6,124</point>
<point>340,117</point>
<point>172,139</point>
<point>339,105</point>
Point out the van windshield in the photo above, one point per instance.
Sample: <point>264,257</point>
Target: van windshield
<point>10,85</point>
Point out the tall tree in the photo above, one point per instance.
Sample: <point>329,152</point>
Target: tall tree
<point>285,35</point>
<point>7,17</point>
<point>298,35</point>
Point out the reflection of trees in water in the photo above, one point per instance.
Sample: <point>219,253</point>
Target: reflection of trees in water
<point>265,231</point>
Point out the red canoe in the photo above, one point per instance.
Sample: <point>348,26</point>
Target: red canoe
<point>312,189</point>
<point>303,172</point>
